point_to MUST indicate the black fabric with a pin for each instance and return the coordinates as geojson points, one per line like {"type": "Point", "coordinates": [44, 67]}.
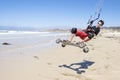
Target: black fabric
{"type": "Point", "coordinates": [93, 29]}
{"type": "Point", "coordinates": [90, 35]}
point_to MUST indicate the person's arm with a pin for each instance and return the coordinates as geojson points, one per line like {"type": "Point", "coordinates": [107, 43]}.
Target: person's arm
{"type": "Point", "coordinates": [91, 22]}
{"type": "Point", "coordinates": [71, 37]}
{"type": "Point", "coordinates": [88, 28]}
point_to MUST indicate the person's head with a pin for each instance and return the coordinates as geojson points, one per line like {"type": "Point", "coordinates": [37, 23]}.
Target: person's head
{"type": "Point", "coordinates": [100, 23]}
{"type": "Point", "coordinates": [73, 30]}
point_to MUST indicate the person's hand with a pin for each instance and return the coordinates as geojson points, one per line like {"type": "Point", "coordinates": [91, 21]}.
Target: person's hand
{"type": "Point", "coordinates": [88, 29]}
{"type": "Point", "coordinates": [68, 41]}
{"type": "Point", "coordinates": [91, 22]}
{"type": "Point", "coordinates": [82, 41]}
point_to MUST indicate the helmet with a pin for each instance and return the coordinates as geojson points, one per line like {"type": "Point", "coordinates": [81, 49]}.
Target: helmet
{"type": "Point", "coordinates": [73, 30]}
{"type": "Point", "coordinates": [101, 22]}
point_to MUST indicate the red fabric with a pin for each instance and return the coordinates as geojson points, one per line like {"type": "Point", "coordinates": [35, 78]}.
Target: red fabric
{"type": "Point", "coordinates": [81, 34]}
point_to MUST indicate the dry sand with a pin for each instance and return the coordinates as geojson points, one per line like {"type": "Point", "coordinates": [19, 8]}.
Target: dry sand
{"type": "Point", "coordinates": [69, 63]}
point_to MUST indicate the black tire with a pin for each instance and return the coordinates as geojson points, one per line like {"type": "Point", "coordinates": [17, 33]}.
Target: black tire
{"type": "Point", "coordinates": [85, 49]}
{"type": "Point", "coordinates": [58, 41]}
{"type": "Point", "coordinates": [63, 45]}
{"type": "Point", "coordinates": [82, 45]}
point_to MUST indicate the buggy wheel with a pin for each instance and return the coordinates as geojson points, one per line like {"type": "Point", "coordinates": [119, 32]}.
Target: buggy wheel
{"type": "Point", "coordinates": [82, 45]}
{"type": "Point", "coordinates": [85, 49]}
{"type": "Point", "coordinates": [63, 45]}
{"type": "Point", "coordinates": [58, 41]}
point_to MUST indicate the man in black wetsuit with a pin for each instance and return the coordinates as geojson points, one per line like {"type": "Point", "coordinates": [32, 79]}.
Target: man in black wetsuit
{"type": "Point", "coordinates": [88, 33]}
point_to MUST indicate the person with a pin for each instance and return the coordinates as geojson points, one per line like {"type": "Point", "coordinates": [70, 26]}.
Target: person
{"type": "Point", "coordinates": [88, 33]}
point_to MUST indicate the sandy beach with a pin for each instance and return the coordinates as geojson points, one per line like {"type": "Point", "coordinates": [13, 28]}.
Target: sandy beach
{"type": "Point", "coordinates": [57, 63]}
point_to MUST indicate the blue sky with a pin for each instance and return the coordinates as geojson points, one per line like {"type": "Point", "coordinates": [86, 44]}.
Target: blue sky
{"type": "Point", "coordinates": [56, 13]}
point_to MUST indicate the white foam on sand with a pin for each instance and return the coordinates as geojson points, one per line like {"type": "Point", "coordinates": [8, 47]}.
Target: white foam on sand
{"type": "Point", "coordinates": [26, 40]}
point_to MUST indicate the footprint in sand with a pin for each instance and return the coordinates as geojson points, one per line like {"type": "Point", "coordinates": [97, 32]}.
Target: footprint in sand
{"type": "Point", "coordinates": [36, 57]}
{"type": "Point", "coordinates": [49, 63]}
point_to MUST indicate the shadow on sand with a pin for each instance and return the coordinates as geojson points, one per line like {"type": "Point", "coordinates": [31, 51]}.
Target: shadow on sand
{"type": "Point", "coordinates": [78, 67]}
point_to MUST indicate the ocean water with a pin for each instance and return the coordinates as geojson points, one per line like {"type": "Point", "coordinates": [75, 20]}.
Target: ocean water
{"type": "Point", "coordinates": [29, 39]}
